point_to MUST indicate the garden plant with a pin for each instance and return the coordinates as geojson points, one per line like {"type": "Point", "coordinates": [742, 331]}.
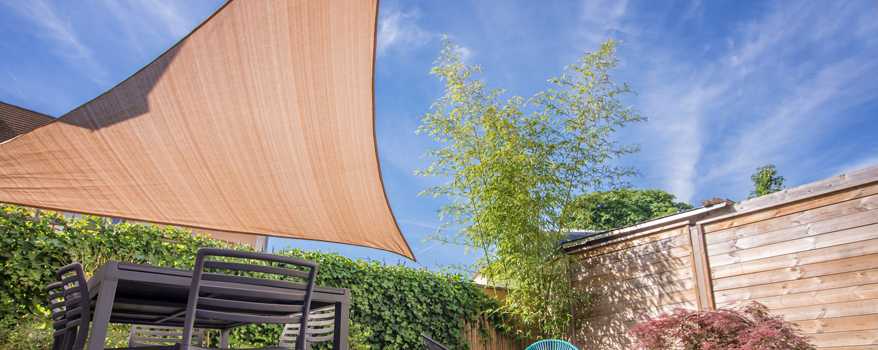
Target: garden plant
{"type": "Point", "coordinates": [390, 305]}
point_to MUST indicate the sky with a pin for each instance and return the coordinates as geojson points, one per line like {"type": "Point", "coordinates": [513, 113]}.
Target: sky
{"type": "Point", "coordinates": [728, 86]}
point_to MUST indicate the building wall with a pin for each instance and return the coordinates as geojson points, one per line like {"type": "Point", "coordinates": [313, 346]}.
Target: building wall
{"type": "Point", "coordinates": [809, 253]}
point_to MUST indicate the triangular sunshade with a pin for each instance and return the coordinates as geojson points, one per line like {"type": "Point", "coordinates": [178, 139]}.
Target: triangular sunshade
{"type": "Point", "coordinates": [261, 121]}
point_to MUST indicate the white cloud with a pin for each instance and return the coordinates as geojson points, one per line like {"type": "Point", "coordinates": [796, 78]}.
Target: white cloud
{"type": "Point", "coordinates": [401, 31]}
{"type": "Point", "coordinates": [149, 23]}
{"type": "Point", "coordinates": [769, 96]}
{"type": "Point", "coordinates": [68, 45]}
{"type": "Point", "coordinates": [796, 86]}
{"type": "Point", "coordinates": [676, 140]}
{"type": "Point", "coordinates": [603, 19]}
{"type": "Point", "coordinates": [175, 20]}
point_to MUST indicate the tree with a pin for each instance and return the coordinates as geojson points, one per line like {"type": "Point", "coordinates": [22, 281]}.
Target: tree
{"type": "Point", "coordinates": [766, 181]}
{"type": "Point", "coordinates": [618, 208]}
{"type": "Point", "coordinates": [748, 327]}
{"type": "Point", "coordinates": [513, 166]}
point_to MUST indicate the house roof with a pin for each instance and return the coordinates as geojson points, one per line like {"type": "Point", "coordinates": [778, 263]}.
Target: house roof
{"type": "Point", "coordinates": [580, 243]}
{"type": "Point", "coordinates": [15, 121]}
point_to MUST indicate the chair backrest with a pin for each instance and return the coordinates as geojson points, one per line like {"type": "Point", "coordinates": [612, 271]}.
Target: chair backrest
{"type": "Point", "coordinates": [430, 344]}
{"type": "Point", "coordinates": [249, 299]}
{"type": "Point", "coordinates": [551, 344]}
{"type": "Point", "coordinates": [143, 335]}
{"type": "Point", "coordinates": [58, 313]}
{"type": "Point", "coordinates": [321, 324]}
{"type": "Point", "coordinates": [77, 304]}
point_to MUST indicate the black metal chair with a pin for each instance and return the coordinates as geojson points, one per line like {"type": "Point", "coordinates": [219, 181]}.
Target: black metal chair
{"type": "Point", "coordinates": [57, 314]}
{"type": "Point", "coordinates": [430, 344]}
{"type": "Point", "coordinates": [211, 297]}
{"type": "Point", "coordinates": [77, 306]}
{"type": "Point", "coordinates": [142, 336]}
{"type": "Point", "coordinates": [321, 324]}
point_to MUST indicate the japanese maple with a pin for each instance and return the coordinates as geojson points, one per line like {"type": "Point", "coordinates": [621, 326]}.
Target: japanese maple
{"type": "Point", "coordinates": [747, 327]}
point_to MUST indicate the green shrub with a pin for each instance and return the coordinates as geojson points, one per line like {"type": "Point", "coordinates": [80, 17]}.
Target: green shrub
{"type": "Point", "coordinates": [29, 333]}
{"type": "Point", "coordinates": [390, 305]}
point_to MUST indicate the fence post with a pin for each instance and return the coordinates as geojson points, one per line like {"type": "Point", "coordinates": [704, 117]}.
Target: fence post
{"type": "Point", "coordinates": [700, 266]}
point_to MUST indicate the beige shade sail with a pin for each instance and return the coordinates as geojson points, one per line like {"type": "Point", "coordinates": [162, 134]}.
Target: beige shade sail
{"type": "Point", "coordinates": [261, 121]}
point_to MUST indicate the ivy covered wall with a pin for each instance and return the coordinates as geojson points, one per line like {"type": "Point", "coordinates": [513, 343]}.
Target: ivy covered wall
{"type": "Point", "coordinates": [390, 306]}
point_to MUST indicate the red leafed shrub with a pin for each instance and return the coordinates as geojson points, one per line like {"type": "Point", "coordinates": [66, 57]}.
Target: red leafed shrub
{"type": "Point", "coordinates": [749, 327]}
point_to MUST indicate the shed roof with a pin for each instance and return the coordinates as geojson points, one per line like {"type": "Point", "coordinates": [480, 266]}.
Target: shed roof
{"type": "Point", "coordinates": [15, 121]}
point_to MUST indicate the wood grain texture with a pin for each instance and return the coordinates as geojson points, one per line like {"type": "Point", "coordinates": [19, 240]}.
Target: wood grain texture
{"type": "Point", "coordinates": [664, 238]}
{"type": "Point", "coordinates": [624, 260]}
{"type": "Point", "coordinates": [849, 279]}
{"type": "Point", "coordinates": [671, 293]}
{"type": "Point", "coordinates": [777, 229]}
{"type": "Point", "coordinates": [855, 338]}
{"type": "Point", "coordinates": [652, 275]}
{"type": "Point", "coordinates": [807, 192]}
{"type": "Point", "coordinates": [866, 247]}
{"type": "Point", "coordinates": [819, 237]}
{"type": "Point", "coordinates": [841, 324]}
{"type": "Point", "coordinates": [494, 340]}
{"type": "Point", "coordinates": [829, 199]}
{"type": "Point", "coordinates": [798, 272]}
{"type": "Point", "coordinates": [616, 305]}
{"type": "Point", "coordinates": [821, 297]}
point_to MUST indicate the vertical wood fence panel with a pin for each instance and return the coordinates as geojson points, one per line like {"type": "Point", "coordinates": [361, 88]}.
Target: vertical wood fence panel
{"type": "Point", "coordinates": [495, 341]}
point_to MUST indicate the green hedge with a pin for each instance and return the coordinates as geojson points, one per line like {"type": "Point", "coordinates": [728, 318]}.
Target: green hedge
{"type": "Point", "coordinates": [390, 306]}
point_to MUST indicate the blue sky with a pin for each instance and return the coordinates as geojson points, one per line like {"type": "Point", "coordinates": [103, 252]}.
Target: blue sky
{"type": "Point", "coordinates": [728, 85]}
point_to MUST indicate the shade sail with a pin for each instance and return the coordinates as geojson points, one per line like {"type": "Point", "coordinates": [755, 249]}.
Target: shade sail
{"type": "Point", "coordinates": [261, 121]}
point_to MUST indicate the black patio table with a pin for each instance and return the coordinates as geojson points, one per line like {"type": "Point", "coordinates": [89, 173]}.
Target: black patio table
{"type": "Point", "coordinates": [151, 295]}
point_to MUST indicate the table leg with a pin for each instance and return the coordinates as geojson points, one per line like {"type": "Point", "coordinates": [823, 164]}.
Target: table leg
{"type": "Point", "coordinates": [342, 318]}
{"type": "Point", "coordinates": [224, 340]}
{"type": "Point", "coordinates": [98, 337]}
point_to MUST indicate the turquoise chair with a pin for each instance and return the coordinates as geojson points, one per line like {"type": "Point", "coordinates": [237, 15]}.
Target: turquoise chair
{"type": "Point", "coordinates": [551, 344]}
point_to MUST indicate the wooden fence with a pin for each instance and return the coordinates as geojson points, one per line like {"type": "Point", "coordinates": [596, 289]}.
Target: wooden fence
{"type": "Point", "coordinates": [809, 253]}
{"type": "Point", "coordinates": [495, 340]}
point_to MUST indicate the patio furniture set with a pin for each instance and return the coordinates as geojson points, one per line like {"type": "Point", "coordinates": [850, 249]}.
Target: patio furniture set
{"type": "Point", "coordinates": [169, 308]}
{"type": "Point", "coordinates": [174, 306]}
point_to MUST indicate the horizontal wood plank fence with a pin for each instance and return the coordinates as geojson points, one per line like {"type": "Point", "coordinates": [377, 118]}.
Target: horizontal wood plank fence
{"type": "Point", "coordinates": [809, 253]}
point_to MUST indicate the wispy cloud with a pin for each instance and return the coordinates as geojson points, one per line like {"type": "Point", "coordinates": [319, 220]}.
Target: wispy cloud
{"type": "Point", "coordinates": [175, 20]}
{"type": "Point", "coordinates": [787, 69]}
{"type": "Point", "coordinates": [419, 224]}
{"type": "Point", "coordinates": [15, 81]}
{"type": "Point", "coordinates": [767, 96]}
{"type": "Point", "coordinates": [676, 113]}
{"type": "Point", "coordinates": [150, 20]}
{"type": "Point", "coordinates": [428, 248]}
{"type": "Point", "coordinates": [67, 44]}
{"type": "Point", "coordinates": [398, 30]}
{"type": "Point", "coordinates": [603, 19]}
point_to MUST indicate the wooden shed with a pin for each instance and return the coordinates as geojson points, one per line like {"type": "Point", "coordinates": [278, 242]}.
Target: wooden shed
{"type": "Point", "coordinates": [809, 253]}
